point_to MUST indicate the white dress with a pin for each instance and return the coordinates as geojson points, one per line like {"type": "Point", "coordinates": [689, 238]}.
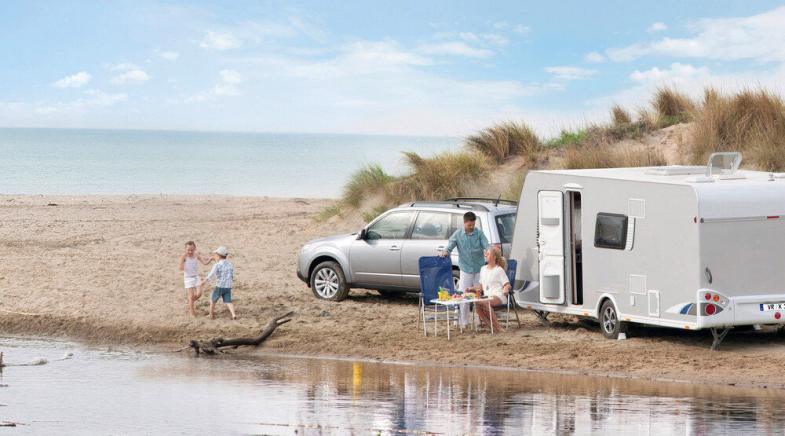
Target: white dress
{"type": "Point", "coordinates": [191, 273]}
{"type": "Point", "coordinates": [493, 281]}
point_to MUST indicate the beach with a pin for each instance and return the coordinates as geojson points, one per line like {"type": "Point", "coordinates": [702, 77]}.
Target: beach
{"type": "Point", "coordinates": [103, 269]}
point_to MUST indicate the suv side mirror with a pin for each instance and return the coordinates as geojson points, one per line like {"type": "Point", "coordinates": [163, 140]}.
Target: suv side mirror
{"type": "Point", "coordinates": [362, 235]}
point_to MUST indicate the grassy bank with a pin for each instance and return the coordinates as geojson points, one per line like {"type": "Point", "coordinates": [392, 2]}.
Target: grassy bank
{"type": "Point", "coordinates": [494, 161]}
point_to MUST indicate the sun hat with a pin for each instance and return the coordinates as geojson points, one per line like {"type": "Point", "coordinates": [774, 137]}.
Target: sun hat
{"type": "Point", "coordinates": [221, 251]}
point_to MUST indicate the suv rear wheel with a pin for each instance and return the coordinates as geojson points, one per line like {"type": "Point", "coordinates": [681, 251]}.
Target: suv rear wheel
{"type": "Point", "coordinates": [328, 282]}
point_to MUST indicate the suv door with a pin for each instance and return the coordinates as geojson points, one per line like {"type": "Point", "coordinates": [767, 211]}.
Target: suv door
{"type": "Point", "coordinates": [376, 260]}
{"type": "Point", "coordinates": [429, 235]}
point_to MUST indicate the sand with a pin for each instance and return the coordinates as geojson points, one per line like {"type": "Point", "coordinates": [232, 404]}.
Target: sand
{"type": "Point", "coordinates": [104, 269]}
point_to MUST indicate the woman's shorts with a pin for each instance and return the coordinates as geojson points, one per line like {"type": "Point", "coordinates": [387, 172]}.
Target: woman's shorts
{"type": "Point", "coordinates": [225, 293]}
{"type": "Point", "coordinates": [191, 282]}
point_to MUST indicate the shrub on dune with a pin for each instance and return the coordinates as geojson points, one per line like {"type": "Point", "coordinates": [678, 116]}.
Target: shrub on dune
{"type": "Point", "coordinates": [672, 107]}
{"type": "Point", "coordinates": [444, 175]}
{"type": "Point", "coordinates": [503, 140]}
{"type": "Point", "coordinates": [367, 180]}
{"type": "Point", "coordinates": [619, 116]}
{"type": "Point", "coordinates": [749, 121]}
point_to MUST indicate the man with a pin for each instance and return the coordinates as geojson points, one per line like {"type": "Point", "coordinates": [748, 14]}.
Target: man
{"type": "Point", "coordinates": [223, 274]}
{"type": "Point", "coordinates": [471, 243]}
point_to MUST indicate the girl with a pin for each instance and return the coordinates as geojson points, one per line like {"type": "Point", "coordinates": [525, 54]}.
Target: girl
{"type": "Point", "coordinates": [189, 265]}
{"type": "Point", "coordinates": [495, 284]}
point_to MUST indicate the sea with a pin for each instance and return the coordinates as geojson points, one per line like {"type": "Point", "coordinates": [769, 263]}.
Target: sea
{"type": "Point", "coordinates": [117, 162]}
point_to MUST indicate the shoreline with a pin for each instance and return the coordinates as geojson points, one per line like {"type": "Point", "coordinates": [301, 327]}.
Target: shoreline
{"type": "Point", "coordinates": [102, 269]}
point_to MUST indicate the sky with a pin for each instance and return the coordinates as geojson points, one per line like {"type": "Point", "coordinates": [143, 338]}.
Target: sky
{"type": "Point", "coordinates": [375, 67]}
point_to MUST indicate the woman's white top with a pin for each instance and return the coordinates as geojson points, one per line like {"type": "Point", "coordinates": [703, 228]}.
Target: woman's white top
{"type": "Point", "coordinates": [191, 267]}
{"type": "Point", "coordinates": [493, 281]}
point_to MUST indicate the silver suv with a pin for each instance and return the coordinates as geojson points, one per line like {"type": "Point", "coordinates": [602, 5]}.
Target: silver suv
{"type": "Point", "coordinates": [384, 255]}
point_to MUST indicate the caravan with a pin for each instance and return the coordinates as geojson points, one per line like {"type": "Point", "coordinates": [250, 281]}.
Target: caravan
{"type": "Point", "coordinates": [687, 247]}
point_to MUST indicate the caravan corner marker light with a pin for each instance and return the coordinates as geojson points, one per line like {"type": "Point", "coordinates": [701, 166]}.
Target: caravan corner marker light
{"type": "Point", "coordinates": [777, 315]}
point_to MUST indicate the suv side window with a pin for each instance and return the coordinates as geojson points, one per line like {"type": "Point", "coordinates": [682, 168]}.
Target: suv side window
{"type": "Point", "coordinates": [457, 223]}
{"type": "Point", "coordinates": [432, 225]}
{"type": "Point", "coordinates": [506, 226]}
{"type": "Point", "coordinates": [393, 226]}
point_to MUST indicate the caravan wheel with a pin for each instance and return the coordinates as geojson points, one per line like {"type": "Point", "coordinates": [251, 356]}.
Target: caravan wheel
{"type": "Point", "coordinates": [610, 324]}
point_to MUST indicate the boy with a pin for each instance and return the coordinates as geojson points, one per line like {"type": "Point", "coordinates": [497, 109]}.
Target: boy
{"type": "Point", "coordinates": [223, 273]}
{"type": "Point", "coordinates": [471, 243]}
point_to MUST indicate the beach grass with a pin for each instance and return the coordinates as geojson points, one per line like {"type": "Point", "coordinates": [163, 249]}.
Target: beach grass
{"type": "Point", "coordinates": [503, 140]}
{"type": "Point", "coordinates": [366, 180]}
{"type": "Point", "coordinates": [672, 107]}
{"type": "Point", "coordinates": [749, 121]}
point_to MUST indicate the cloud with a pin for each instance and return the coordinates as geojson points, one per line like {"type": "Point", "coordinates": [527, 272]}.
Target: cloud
{"type": "Point", "coordinates": [570, 73]}
{"type": "Point", "coordinates": [226, 86]}
{"type": "Point", "coordinates": [455, 48]}
{"type": "Point", "coordinates": [758, 37]}
{"type": "Point", "coordinates": [77, 80]}
{"type": "Point", "coordinates": [129, 74]}
{"type": "Point", "coordinates": [495, 39]}
{"type": "Point", "coordinates": [676, 73]}
{"type": "Point", "coordinates": [219, 41]}
{"type": "Point", "coordinates": [594, 57]}
{"type": "Point", "coordinates": [167, 54]}
{"type": "Point", "coordinates": [520, 29]}
{"type": "Point", "coordinates": [93, 99]}
{"type": "Point", "coordinates": [657, 27]}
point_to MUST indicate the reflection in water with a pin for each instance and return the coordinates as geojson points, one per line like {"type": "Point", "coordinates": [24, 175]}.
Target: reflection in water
{"type": "Point", "coordinates": [249, 393]}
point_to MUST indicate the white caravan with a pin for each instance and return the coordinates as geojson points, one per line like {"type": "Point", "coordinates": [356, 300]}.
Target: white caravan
{"type": "Point", "coordinates": [688, 247]}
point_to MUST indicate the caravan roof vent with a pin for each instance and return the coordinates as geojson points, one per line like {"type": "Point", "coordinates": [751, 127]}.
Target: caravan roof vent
{"type": "Point", "coordinates": [723, 164]}
{"type": "Point", "coordinates": [676, 170]}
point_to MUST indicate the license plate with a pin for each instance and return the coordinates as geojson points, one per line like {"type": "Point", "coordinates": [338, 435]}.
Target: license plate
{"type": "Point", "coordinates": [765, 307]}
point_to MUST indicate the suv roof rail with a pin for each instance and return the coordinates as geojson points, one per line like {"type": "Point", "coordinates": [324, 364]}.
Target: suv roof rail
{"type": "Point", "coordinates": [495, 201]}
{"type": "Point", "coordinates": [447, 204]}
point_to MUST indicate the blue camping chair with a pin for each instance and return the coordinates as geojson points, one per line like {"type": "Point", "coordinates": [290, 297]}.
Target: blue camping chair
{"type": "Point", "coordinates": [435, 272]}
{"type": "Point", "coordinates": [512, 271]}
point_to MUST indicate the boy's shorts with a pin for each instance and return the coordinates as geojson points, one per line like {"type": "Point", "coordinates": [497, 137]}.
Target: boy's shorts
{"type": "Point", "coordinates": [225, 293]}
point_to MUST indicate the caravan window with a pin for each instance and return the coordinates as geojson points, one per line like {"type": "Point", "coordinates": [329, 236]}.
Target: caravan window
{"type": "Point", "coordinates": [610, 231]}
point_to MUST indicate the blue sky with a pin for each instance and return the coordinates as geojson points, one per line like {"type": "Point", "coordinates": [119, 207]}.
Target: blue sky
{"type": "Point", "coordinates": [407, 67]}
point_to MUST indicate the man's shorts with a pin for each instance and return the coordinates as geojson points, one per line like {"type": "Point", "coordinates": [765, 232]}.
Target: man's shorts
{"type": "Point", "coordinates": [225, 293]}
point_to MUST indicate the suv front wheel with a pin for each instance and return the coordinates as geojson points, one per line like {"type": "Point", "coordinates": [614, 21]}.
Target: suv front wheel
{"type": "Point", "coordinates": [328, 282]}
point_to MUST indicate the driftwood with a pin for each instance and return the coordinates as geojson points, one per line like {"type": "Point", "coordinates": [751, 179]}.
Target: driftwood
{"type": "Point", "coordinates": [214, 345]}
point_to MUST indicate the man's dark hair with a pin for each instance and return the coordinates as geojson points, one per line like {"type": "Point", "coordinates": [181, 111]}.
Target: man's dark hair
{"type": "Point", "coordinates": [469, 216]}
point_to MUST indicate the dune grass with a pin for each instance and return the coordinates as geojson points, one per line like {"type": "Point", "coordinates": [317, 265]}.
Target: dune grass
{"type": "Point", "coordinates": [329, 212]}
{"type": "Point", "coordinates": [503, 140]}
{"type": "Point", "coordinates": [369, 179]}
{"type": "Point", "coordinates": [750, 121]}
{"type": "Point", "coordinates": [619, 116]}
{"type": "Point", "coordinates": [672, 107]}
{"type": "Point", "coordinates": [441, 176]}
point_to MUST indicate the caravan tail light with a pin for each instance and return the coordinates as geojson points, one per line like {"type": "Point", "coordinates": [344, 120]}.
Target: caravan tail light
{"type": "Point", "coordinates": [708, 296]}
{"type": "Point", "coordinates": [711, 309]}
{"type": "Point", "coordinates": [777, 315]}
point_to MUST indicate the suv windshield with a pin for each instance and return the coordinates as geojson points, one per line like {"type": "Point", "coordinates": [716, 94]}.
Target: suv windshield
{"type": "Point", "coordinates": [506, 225]}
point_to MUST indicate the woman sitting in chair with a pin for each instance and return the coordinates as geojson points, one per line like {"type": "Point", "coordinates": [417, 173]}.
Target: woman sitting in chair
{"type": "Point", "coordinates": [495, 284]}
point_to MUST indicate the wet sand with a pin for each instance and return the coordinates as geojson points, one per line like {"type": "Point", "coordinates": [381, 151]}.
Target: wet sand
{"type": "Point", "coordinates": [104, 269]}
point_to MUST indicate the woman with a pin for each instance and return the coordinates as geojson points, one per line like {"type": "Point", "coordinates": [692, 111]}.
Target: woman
{"type": "Point", "coordinates": [495, 284]}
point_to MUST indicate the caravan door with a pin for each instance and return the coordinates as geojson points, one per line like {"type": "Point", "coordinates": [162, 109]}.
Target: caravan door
{"type": "Point", "coordinates": [550, 220]}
